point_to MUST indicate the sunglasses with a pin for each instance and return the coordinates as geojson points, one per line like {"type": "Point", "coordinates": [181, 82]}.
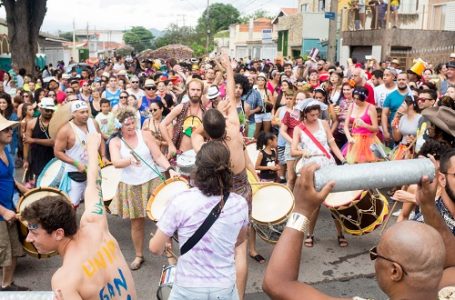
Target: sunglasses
{"type": "Point", "coordinates": [49, 110]}
{"type": "Point", "coordinates": [148, 88]}
{"type": "Point", "coordinates": [134, 81]}
{"type": "Point", "coordinates": [123, 97]}
{"type": "Point", "coordinates": [7, 129]}
{"type": "Point", "coordinates": [26, 96]}
{"type": "Point", "coordinates": [423, 99]}
{"type": "Point", "coordinates": [374, 255]}
{"type": "Point", "coordinates": [51, 95]}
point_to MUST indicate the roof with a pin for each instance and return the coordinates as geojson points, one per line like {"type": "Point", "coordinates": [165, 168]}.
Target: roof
{"type": "Point", "coordinates": [284, 12]}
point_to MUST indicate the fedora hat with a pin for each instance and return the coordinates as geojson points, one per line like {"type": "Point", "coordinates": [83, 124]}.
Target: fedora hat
{"type": "Point", "coordinates": [442, 117]}
{"type": "Point", "coordinates": [4, 123]}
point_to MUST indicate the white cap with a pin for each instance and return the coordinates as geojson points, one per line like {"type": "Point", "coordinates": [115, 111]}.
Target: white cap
{"type": "Point", "coordinates": [47, 103]}
{"type": "Point", "coordinates": [78, 105]}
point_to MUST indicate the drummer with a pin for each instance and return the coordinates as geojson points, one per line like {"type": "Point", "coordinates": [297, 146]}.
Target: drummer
{"type": "Point", "coordinates": [190, 112]}
{"type": "Point", "coordinates": [225, 127]}
{"type": "Point", "coordinates": [312, 140]}
{"type": "Point", "coordinates": [37, 136]}
{"type": "Point", "coordinates": [10, 246]}
{"type": "Point", "coordinates": [70, 147]}
{"type": "Point", "coordinates": [53, 226]}
{"type": "Point", "coordinates": [137, 154]}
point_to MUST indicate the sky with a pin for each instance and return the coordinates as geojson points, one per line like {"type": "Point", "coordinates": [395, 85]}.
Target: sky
{"type": "Point", "coordinates": [123, 14]}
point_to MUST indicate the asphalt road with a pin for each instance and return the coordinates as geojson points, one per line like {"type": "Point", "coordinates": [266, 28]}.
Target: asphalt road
{"type": "Point", "coordinates": [334, 270]}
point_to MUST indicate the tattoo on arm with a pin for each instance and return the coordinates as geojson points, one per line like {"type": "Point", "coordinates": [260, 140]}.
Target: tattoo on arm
{"type": "Point", "coordinates": [99, 206]}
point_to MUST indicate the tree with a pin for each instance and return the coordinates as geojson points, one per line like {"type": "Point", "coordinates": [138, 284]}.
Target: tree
{"type": "Point", "coordinates": [24, 19]}
{"type": "Point", "coordinates": [184, 35]}
{"type": "Point", "coordinates": [67, 35]}
{"type": "Point", "coordinates": [260, 13]}
{"type": "Point", "coordinates": [216, 17]}
{"type": "Point", "coordinates": [139, 38]}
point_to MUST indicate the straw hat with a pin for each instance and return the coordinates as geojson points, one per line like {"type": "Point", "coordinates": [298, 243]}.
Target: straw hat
{"type": "Point", "coordinates": [60, 117]}
{"type": "Point", "coordinates": [4, 123]}
{"type": "Point", "coordinates": [442, 117]}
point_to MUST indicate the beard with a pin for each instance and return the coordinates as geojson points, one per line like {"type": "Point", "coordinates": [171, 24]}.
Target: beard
{"type": "Point", "coordinates": [195, 99]}
{"type": "Point", "coordinates": [450, 193]}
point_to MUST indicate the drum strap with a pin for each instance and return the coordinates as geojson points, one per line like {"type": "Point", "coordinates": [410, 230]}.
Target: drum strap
{"type": "Point", "coordinates": [315, 141]}
{"type": "Point", "coordinates": [205, 226]}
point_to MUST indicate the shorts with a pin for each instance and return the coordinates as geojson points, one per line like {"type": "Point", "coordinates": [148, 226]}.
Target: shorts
{"type": "Point", "coordinates": [264, 117]}
{"type": "Point", "coordinates": [204, 293]}
{"type": "Point", "coordinates": [287, 153]}
{"type": "Point", "coordinates": [251, 129]}
{"type": "Point", "coordinates": [77, 192]}
{"type": "Point", "coordinates": [10, 246]}
{"type": "Point", "coordinates": [281, 156]}
{"type": "Point", "coordinates": [394, 8]}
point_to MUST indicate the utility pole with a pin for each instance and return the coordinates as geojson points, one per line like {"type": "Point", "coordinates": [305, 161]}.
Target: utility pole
{"type": "Point", "coordinates": [207, 27]}
{"type": "Point", "coordinates": [74, 40]}
{"type": "Point", "coordinates": [332, 42]}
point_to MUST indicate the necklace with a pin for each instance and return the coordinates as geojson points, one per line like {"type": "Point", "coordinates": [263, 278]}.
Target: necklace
{"type": "Point", "coordinates": [43, 127]}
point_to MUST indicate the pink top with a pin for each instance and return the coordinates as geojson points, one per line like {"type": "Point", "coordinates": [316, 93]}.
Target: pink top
{"type": "Point", "coordinates": [365, 118]}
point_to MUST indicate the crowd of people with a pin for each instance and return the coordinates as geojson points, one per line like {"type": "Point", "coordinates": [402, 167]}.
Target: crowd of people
{"type": "Point", "coordinates": [141, 116]}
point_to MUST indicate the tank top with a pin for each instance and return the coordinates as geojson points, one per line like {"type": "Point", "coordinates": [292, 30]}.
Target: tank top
{"type": "Point", "coordinates": [137, 175]}
{"type": "Point", "coordinates": [40, 155]}
{"type": "Point", "coordinates": [268, 160]}
{"type": "Point", "coordinates": [308, 145]}
{"type": "Point", "coordinates": [113, 97]}
{"type": "Point", "coordinates": [79, 150]}
{"type": "Point", "coordinates": [365, 117]}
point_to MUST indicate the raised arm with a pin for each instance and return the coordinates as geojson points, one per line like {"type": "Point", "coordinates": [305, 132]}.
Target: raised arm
{"type": "Point", "coordinates": [94, 205]}
{"type": "Point", "coordinates": [232, 115]}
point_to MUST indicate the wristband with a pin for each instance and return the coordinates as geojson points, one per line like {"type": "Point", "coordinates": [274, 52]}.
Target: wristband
{"type": "Point", "coordinates": [76, 164]}
{"type": "Point", "coordinates": [298, 222]}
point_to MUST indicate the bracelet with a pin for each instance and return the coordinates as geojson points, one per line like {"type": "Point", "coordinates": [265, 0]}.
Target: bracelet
{"type": "Point", "coordinates": [170, 168]}
{"type": "Point", "coordinates": [76, 164]}
{"type": "Point", "coordinates": [298, 222]}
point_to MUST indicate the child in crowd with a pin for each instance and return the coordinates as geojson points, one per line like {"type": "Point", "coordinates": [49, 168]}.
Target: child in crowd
{"type": "Point", "coordinates": [266, 162]}
{"type": "Point", "coordinates": [106, 119]}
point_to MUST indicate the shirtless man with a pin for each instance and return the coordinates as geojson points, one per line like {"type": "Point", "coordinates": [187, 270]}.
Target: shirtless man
{"type": "Point", "coordinates": [93, 265]}
{"type": "Point", "coordinates": [70, 147]}
{"type": "Point", "coordinates": [227, 129]}
{"type": "Point", "coordinates": [181, 139]}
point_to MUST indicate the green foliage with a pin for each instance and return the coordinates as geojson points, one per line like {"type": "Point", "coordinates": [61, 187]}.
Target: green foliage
{"type": "Point", "coordinates": [66, 35]}
{"type": "Point", "coordinates": [220, 16]}
{"type": "Point", "coordinates": [139, 38]}
{"type": "Point", "coordinates": [260, 13]}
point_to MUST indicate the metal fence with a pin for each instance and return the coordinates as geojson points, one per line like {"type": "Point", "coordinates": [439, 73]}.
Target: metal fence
{"type": "Point", "coordinates": [430, 55]}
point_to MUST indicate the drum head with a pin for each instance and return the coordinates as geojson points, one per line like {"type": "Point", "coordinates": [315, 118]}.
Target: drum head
{"type": "Point", "coordinates": [272, 203]}
{"type": "Point", "coordinates": [186, 161]}
{"type": "Point", "coordinates": [162, 194]}
{"type": "Point", "coordinates": [27, 199]}
{"type": "Point", "coordinates": [252, 152]}
{"type": "Point", "coordinates": [110, 178]}
{"type": "Point", "coordinates": [335, 200]}
{"type": "Point", "coordinates": [51, 174]}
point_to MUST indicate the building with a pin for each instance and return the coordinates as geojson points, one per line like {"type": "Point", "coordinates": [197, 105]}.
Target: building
{"type": "Point", "coordinates": [252, 40]}
{"type": "Point", "coordinates": [287, 32]}
{"type": "Point", "coordinates": [425, 29]}
{"type": "Point", "coordinates": [100, 35]}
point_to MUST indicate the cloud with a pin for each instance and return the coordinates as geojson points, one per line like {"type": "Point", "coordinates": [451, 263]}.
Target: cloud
{"type": "Point", "coordinates": [120, 14]}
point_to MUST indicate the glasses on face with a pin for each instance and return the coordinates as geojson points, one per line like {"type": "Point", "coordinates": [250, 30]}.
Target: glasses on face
{"type": "Point", "coordinates": [422, 99]}
{"type": "Point", "coordinates": [7, 129]}
{"type": "Point", "coordinates": [123, 97]}
{"type": "Point", "coordinates": [134, 81]}
{"type": "Point", "coordinates": [148, 88]}
{"type": "Point", "coordinates": [51, 95]}
{"type": "Point", "coordinates": [48, 110]}
{"type": "Point", "coordinates": [374, 255]}
{"type": "Point", "coordinates": [447, 173]}
{"type": "Point", "coordinates": [26, 96]}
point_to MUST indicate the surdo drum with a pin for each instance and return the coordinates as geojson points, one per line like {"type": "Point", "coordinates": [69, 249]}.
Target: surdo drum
{"type": "Point", "coordinates": [272, 205]}
{"type": "Point", "coordinates": [359, 212]}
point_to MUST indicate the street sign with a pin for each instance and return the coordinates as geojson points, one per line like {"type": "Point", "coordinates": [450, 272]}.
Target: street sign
{"type": "Point", "coordinates": [329, 15]}
{"type": "Point", "coordinates": [266, 36]}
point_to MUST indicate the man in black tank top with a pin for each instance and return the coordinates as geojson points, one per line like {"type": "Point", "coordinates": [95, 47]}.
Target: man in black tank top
{"type": "Point", "coordinates": [37, 140]}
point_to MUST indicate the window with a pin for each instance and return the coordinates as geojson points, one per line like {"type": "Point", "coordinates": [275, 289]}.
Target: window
{"type": "Point", "coordinates": [304, 7]}
{"type": "Point", "coordinates": [439, 17]}
{"type": "Point", "coordinates": [280, 40]}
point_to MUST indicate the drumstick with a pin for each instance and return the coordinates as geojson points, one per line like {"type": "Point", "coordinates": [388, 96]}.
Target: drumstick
{"type": "Point", "coordinates": [25, 174]}
{"type": "Point", "coordinates": [388, 217]}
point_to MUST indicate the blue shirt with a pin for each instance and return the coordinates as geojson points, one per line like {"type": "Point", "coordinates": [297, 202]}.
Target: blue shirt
{"type": "Point", "coordinates": [253, 98]}
{"type": "Point", "coordinates": [7, 183]}
{"type": "Point", "coordinates": [393, 101]}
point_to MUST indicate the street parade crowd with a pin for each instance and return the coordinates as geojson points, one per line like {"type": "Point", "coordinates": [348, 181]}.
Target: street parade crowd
{"type": "Point", "coordinates": [217, 152]}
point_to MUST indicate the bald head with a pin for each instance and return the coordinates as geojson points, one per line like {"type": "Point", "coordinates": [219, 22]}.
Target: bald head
{"type": "Point", "coordinates": [420, 251]}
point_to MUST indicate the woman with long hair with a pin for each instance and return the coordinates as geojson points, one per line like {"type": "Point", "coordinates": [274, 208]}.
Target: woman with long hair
{"type": "Point", "coordinates": [123, 101]}
{"type": "Point", "coordinates": [341, 108]}
{"type": "Point", "coordinates": [152, 124]}
{"type": "Point", "coordinates": [360, 128]}
{"type": "Point", "coordinates": [312, 140]}
{"type": "Point", "coordinates": [7, 111]}
{"type": "Point", "coordinates": [336, 79]}
{"type": "Point", "coordinates": [95, 106]}
{"type": "Point", "coordinates": [184, 215]}
{"type": "Point", "coordinates": [135, 153]}
{"type": "Point", "coordinates": [263, 119]}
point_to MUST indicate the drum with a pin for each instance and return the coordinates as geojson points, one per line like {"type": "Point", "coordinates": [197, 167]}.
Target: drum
{"type": "Point", "coordinates": [272, 205]}
{"type": "Point", "coordinates": [51, 174]}
{"type": "Point", "coordinates": [359, 212]}
{"type": "Point", "coordinates": [253, 181]}
{"type": "Point", "coordinates": [162, 194]}
{"type": "Point", "coordinates": [110, 178]}
{"type": "Point", "coordinates": [28, 198]}
{"type": "Point", "coordinates": [186, 163]}
{"type": "Point", "coordinates": [189, 124]}
{"type": "Point", "coordinates": [166, 282]}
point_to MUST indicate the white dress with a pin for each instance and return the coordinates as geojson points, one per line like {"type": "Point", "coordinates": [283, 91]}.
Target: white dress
{"type": "Point", "coordinates": [309, 146]}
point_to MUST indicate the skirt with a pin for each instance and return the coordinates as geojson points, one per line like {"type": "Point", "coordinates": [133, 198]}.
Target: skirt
{"type": "Point", "coordinates": [131, 200]}
{"type": "Point", "coordinates": [360, 150]}
{"type": "Point", "coordinates": [401, 152]}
